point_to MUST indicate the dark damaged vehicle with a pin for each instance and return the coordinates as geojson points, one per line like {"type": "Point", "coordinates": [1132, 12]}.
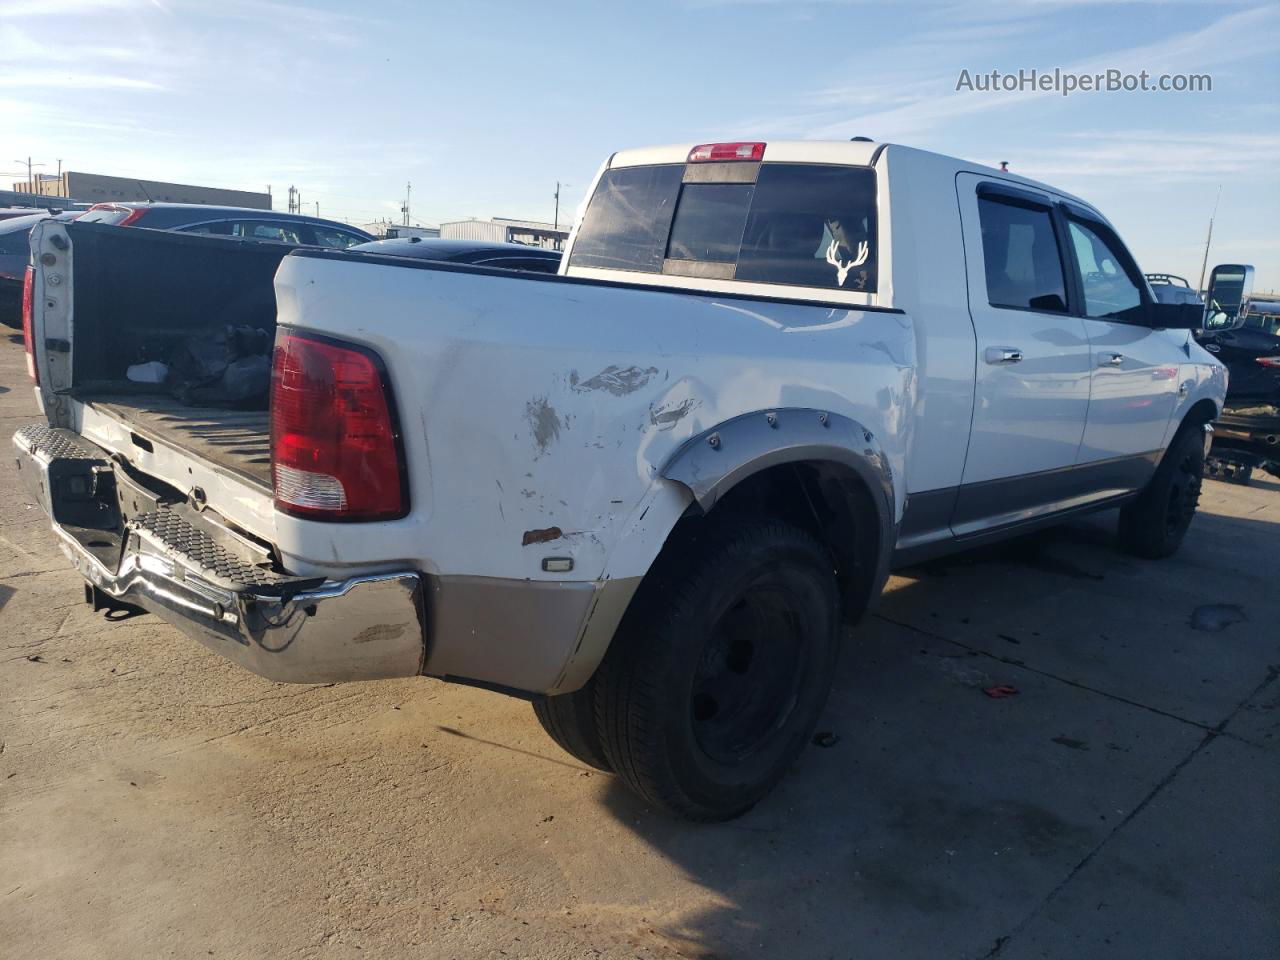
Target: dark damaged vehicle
{"type": "Point", "coordinates": [1243, 332]}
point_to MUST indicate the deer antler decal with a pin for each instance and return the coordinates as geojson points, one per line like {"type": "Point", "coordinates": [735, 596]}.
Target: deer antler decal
{"type": "Point", "coordinates": [842, 269]}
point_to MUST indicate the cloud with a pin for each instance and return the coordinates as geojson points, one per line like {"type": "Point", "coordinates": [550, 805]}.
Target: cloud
{"type": "Point", "coordinates": [34, 64]}
{"type": "Point", "coordinates": [918, 106]}
{"type": "Point", "coordinates": [1157, 158]}
{"type": "Point", "coordinates": [74, 80]}
{"type": "Point", "coordinates": [18, 46]}
{"type": "Point", "coordinates": [26, 9]}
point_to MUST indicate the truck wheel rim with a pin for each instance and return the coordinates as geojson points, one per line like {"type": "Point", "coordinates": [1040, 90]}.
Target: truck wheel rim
{"type": "Point", "coordinates": [749, 674]}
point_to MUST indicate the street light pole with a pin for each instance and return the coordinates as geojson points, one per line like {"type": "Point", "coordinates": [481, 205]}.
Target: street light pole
{"type": "Point", "coordinates": [31, 186]}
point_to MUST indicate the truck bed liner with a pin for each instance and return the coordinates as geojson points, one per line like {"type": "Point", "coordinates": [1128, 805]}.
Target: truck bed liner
{"type": "Point", "coordinates": [239, 440]}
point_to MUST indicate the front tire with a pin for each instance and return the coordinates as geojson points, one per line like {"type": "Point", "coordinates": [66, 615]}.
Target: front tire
{"type": "Point", "coordinates": [719, 672]}
{"type": "Point", "coordinates": [1154, 525]}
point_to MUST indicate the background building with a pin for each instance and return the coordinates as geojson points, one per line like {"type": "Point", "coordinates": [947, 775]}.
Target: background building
{"type": "Point", "coordinates": [505, 230]}
{"type": "Point", "coordinates": [385, 230]}
{"type": "Point", "coordinates": [99, 188]}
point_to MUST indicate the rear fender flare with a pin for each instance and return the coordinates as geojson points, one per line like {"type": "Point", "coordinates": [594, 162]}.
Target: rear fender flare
{"type": "Point", "coordinates": [713, 462]}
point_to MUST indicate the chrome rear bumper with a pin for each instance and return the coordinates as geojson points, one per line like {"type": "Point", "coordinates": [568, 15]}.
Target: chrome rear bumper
{"type": "Point", "coordinates": [180, 566]}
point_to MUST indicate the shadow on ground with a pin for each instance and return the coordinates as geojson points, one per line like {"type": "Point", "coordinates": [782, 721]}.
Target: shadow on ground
{"type": "Point", "coordinates": [944, 823]}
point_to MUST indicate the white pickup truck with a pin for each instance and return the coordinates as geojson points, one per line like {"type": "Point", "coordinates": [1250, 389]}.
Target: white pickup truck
{"type": "Point", "coordinates": [644, 493]}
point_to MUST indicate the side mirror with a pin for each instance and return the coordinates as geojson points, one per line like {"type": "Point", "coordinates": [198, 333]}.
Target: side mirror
{"type": "Point", "coordinates": [1175, 316]}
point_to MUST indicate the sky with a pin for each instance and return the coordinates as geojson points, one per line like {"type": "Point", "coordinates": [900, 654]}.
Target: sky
{"type": "Point", "coordinates": [484, 106]}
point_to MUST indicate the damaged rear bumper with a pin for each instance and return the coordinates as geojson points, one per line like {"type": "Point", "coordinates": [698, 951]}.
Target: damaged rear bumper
{"type": "Point", "coordinates": [138, 550]}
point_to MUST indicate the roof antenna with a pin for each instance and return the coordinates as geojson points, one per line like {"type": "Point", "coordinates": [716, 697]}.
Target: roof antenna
{"type": "Point", "coordinates": [144, 191]}
{"type": "Point", "coordinates": [861, 140]}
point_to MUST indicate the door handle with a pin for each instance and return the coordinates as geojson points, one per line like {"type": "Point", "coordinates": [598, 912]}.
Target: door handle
{"type": "Point", "coordinates": [1110, 359]}
{"type": "Point", "coordinates": [1004, 355]}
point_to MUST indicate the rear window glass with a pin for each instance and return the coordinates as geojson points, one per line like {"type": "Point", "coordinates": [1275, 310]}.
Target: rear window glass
{"type": "Point", "coordinates": [628, 219]}
{"type": "Point", "coordinates": [104, 216]}
{"type": "Point", "coordinates": [813, 226]}
{"type": "Point", "coordinates": [709, 222]}
{"type": "Point", "coordinates": [809, 225]}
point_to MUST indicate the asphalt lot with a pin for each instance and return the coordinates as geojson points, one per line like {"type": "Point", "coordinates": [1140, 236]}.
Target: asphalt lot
{"type": "Point", "coordinates": [157, 802]}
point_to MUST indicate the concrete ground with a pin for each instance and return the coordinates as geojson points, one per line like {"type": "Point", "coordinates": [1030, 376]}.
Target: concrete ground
{"type": "Point", "coordinates": [157, 802]}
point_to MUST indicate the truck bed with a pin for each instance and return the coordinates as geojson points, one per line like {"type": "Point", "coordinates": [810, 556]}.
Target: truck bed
{"type": "Point", "coordinates": [238, 440]}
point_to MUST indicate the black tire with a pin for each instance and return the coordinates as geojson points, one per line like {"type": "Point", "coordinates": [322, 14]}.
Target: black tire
{"type": "Point", "coordinates": [720, 669]}
{"type": "Point", "coordinates": [1154, 524]}
{"type": "Point", "coordinates": [570, 720]}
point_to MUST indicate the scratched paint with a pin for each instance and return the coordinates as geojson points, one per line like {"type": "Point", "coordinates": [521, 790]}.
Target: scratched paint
{"type": "Point", "coordinates": [618, 381]}
{"type": "Point", "coordinates": [544, 423]}
{"type": "Point", "coordinates": [666, 416]}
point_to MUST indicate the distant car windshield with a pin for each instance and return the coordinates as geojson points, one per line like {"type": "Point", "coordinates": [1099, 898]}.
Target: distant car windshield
{"type": "Point", "coordinates": [1172, 293]}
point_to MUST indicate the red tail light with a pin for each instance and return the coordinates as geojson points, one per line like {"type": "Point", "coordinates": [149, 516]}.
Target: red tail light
{"type": "Point", "coordinates": [722, 152]}
{"type": "Point", "coordinates": [335, 444]}
{"type": "Point", "coordinates": [1272, 362]}
{"type": "Point", "coordinates": [28, 321]}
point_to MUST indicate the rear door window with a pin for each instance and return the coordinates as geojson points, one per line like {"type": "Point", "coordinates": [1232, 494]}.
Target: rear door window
{"type": "Point", "coordinates": [1021, 256]}
{"type": "Point", "coordinates": [218, 228]}
{"type": "Point", "coordinates": [332, 237]}
{"type": "Point", "coordinates": [279, 231]}
{"type": "Point", "coordinates": [811, 225]}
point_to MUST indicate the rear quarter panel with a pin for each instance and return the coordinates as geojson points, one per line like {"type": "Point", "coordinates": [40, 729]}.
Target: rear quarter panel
{"type": "Point", "coordinates": [537, 412]}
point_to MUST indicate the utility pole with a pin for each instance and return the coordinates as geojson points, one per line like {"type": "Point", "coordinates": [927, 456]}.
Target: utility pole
{"type": "Point", "coordinates": [557, 220]}
{"type": "Point", "coordinates": [317, 209]}
{"type": "Point", "coordinates": [1205, 262]}
{"type": "Point", "coordinates": [31, 184]}
{"type": "Point", "coordinates": [404, 209]}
